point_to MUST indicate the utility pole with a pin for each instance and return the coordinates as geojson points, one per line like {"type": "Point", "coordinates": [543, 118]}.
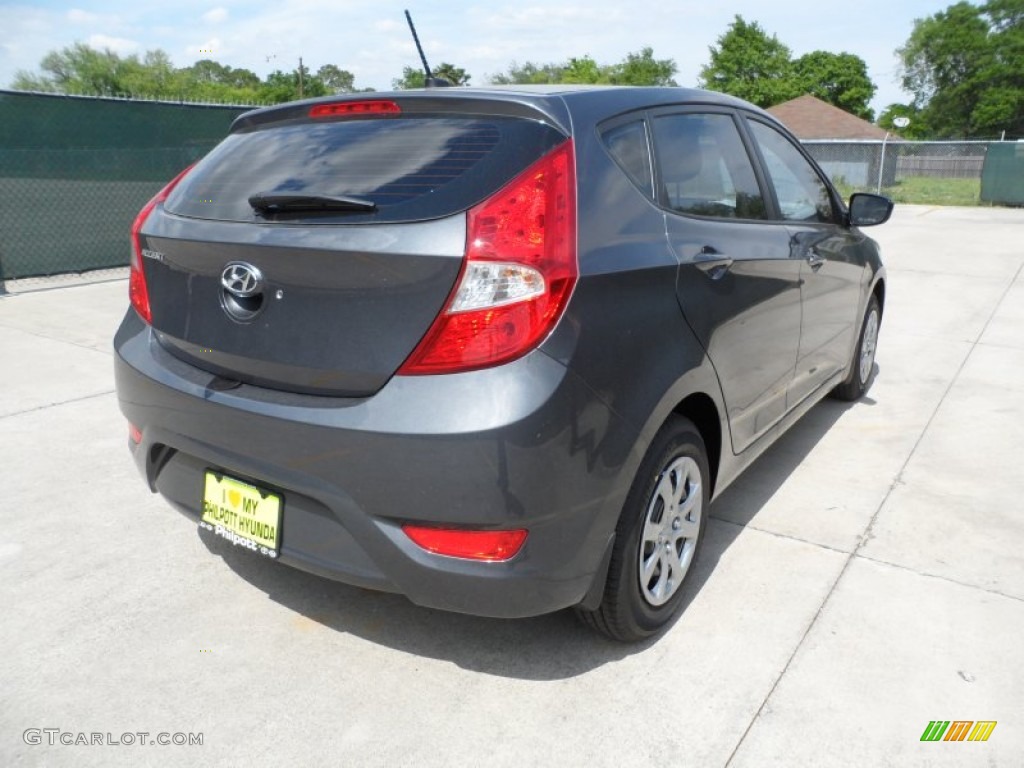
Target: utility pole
{"type": "Point", "coordinates": [300, 77]}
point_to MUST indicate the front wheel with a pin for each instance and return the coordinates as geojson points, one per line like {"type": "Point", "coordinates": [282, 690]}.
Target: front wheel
{"type": "Point", "coordinates": [862, 367]}
{"type": "Point", "coordinates": [658, 536]}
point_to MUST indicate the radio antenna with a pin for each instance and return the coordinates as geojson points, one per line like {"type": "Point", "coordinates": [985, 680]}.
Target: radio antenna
{"type": "Point", "coordinates": [429, 81]}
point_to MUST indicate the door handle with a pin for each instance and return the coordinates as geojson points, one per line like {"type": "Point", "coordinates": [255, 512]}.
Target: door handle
{"type": "Point", "coordinates": [712, 263]}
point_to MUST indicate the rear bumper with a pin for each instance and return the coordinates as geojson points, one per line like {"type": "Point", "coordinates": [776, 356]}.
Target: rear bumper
{"type": "Point", "coordinates": [524, 445]}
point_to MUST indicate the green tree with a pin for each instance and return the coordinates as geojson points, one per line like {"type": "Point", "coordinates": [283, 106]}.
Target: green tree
{"type": "Point", "coordinates": [529, 74]}
{"type": "Point", "coordinates": [643, 69]}
{"type": "Point", "coordinates": [215, 73]}
{"type": "Point", "coordinates": [281, 86]}
{"type": "Point", "coordinates": [84, 70]}
{"type": "Point", "coordinates": [451, 73]}
{"type": "Point", "coordinates": [411, 78]}
{"type": "Point", "coordinates": [308, 85]}
{"type": "Point", "coordinates": [915, 130]}
{"type": "Point", "coordinates": [840, 79]}
{"type": "Point", "coordinates": [208, 80]}
{"type": "Point", "coordinates": [640, 68]}
{"type": "Point", "coordinates": [154, 76]}
{"type": "Point", "coordinates": [749, 63]}
{"type": "Point", "coordinates": [81, 69]}
{"type": "Point", "coordinates": [29, 81]}
{"type": "Point", "coordinates": [415, 78]}
{"type": "Point", "coordinates": [965, 67]}
{"type": "Point", "coordinates": [583, 71]}
{"type": "Point", "coordinates": [336, 80]}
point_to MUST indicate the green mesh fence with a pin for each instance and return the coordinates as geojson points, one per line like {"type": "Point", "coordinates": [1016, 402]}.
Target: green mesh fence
{"type": "Point", "coordinates": [1002, 178]}
{"type": "Point", "coordinates": [75, 171]}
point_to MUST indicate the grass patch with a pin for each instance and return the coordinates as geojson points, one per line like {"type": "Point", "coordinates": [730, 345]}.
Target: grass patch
{"type": "Point", "coordinates": [924, 190]}
{"type": "Point", "coordinates": [930, 191]}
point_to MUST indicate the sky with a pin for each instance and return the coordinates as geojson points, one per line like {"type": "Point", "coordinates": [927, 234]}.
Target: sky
{"type": "Point", "coordinates": [370, 38]}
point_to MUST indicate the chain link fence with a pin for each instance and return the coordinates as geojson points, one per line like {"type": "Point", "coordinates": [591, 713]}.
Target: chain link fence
{"type": "Point", "coordinates": [925, 171]}
{"type": "Point", "coordinates": [74, 172]}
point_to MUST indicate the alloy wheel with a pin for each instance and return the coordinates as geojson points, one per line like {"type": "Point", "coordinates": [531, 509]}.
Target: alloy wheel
{"type": "Point", "coordinates": [869, 341]}
{"type": "Point", "coordinates": [670, 529]}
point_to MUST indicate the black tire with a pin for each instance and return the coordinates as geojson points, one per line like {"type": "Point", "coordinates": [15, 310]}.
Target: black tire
{"type": "Point", "coordinates": [861, 378]}
{"type": "Point", "coordinates": [625, 613]}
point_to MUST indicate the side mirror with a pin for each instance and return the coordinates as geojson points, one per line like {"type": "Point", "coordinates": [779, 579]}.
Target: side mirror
{"type": "Point", "coordinates": [867, 210]}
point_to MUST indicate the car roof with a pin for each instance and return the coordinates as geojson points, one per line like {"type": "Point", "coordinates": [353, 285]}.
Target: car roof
{"type": "Point", "coordinates": [612, 95]}
{"type": "Point", "coordinates": [565, 105]}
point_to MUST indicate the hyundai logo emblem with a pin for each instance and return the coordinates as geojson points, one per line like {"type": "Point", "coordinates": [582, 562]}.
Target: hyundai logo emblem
{"type": "Point", "coordinates": [241, 280]}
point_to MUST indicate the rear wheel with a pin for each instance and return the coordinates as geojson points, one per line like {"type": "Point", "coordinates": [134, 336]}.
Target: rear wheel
{"type": "Point", "coordinates": [862, 367]}
{"type": "Point", "coordinates": [658, 536]}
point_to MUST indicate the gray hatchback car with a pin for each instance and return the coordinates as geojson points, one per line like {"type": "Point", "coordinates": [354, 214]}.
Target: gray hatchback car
{"type": "Point", "coordinates": [494, 349]}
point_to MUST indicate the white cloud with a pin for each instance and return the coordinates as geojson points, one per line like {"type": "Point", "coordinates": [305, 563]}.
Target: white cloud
{"type": "Point", "coordinates": [78, 16]}
{"type": "Point", "coordinates": [119, 45]}
{"type": "Point", "coordinates": [216, 16]}
{"type": "Point", "coordinates": [211, 49]}
{"type": "Point", "coordinates": [548, 18]}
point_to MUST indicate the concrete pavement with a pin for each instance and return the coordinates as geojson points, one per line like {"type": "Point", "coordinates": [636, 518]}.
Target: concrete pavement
{"type": "Point", "coordinates": [863, 578]}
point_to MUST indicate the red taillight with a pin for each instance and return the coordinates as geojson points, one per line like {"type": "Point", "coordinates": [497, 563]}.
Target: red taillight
{"type": "Point", "coordinates": [519, 272]}
{"type": "Point", "coordinates": [134, 433]}
{"type": "Point", "coordinates": [492, 546]}
{"type": "Point", "coordinates": [353, 108]}
{"type": "Point", "coordinates": [138, 292]}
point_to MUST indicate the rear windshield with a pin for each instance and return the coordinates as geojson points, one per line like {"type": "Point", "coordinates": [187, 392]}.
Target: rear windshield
{"type": "Point", "coordinates": [413, 168]}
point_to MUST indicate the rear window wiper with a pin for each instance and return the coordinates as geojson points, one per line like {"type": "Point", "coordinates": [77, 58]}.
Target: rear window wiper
{"type": "Point", "coordinates": [264, 202]}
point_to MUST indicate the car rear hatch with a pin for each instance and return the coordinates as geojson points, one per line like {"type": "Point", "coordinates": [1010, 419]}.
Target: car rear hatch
{"type": "Point", "coordinates": [313, 248]}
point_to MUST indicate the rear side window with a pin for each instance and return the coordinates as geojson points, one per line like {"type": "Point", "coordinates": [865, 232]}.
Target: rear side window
{"type": "Point", "coordinates": [628, 145]}
{"type": "Point", "coordinates": [704, 168]}
{"type": "Point", "coordinates": [413, 168]}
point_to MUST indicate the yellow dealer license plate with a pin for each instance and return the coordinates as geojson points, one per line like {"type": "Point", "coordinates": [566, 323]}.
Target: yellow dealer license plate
{"type": "Point", "coordinates": [241, 513]}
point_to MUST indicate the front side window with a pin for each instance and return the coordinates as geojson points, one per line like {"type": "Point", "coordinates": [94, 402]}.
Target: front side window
{"type": "Point", "coordinates": [801, 193]}
{"type": "Point", "coordinates": [704, 168]}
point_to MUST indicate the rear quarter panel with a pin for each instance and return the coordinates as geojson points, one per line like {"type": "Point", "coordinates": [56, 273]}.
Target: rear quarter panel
{"type": "Point", "coordinates": [623, 332]}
